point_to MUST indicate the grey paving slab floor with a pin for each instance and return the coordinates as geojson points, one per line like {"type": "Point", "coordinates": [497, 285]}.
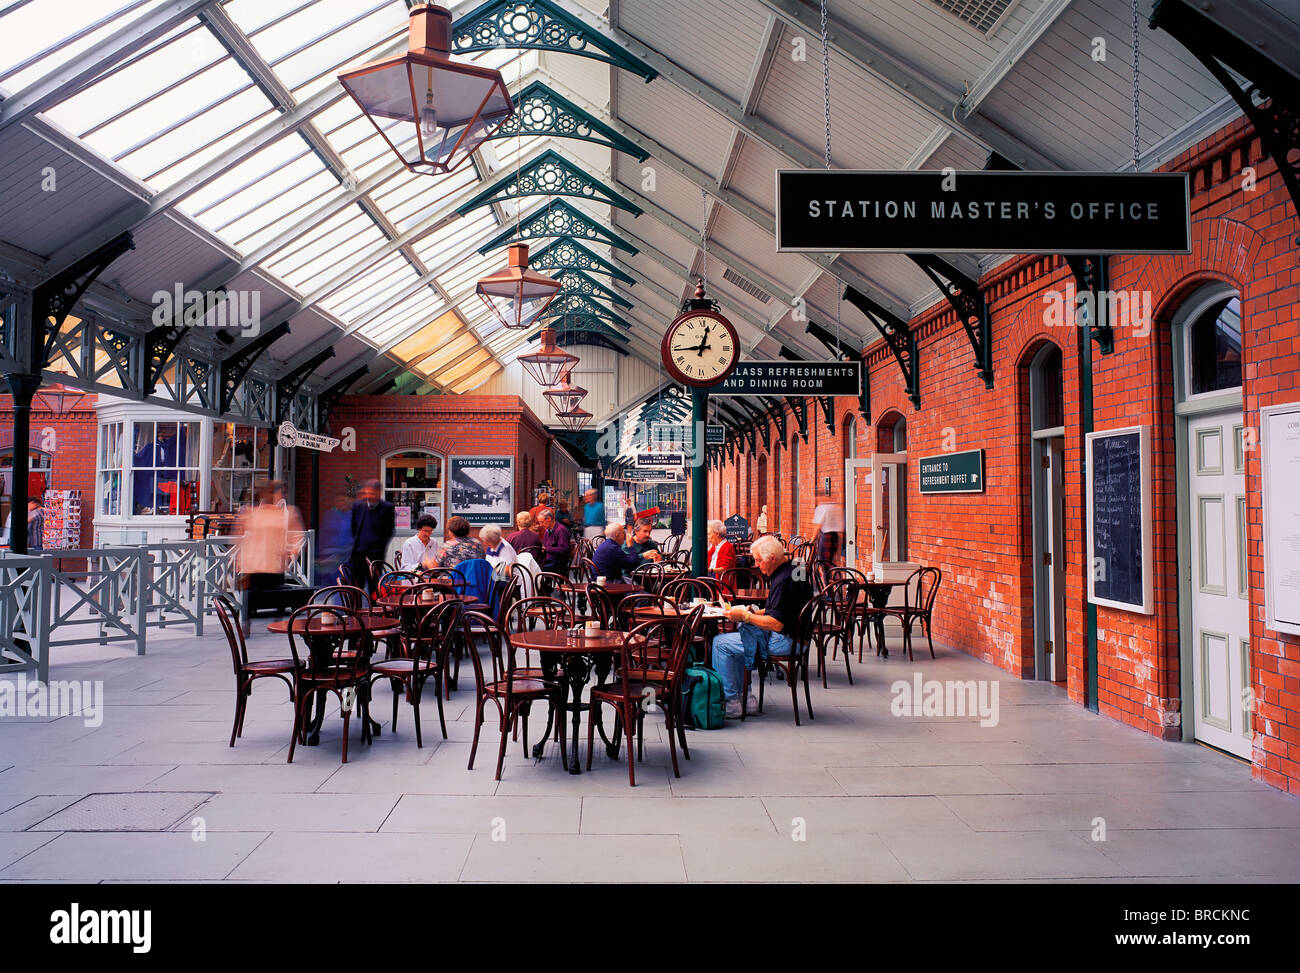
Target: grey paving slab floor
{"type": "Point", "coordinates": [1049, 792]}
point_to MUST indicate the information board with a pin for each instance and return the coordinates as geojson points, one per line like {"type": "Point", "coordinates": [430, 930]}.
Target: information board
{"type": "Point", "coordinates": [1280, 447]}
{"type": "Point", "coordinates": [737, 528]}
{"type": "Point", "coordinates": [1119, 518]}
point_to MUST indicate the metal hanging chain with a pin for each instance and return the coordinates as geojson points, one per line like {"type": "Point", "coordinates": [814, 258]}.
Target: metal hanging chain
{"type": "Point", "coordinates": [704, 238]}
{"type": "Point", "coordinates": [1136, 150]}
{"type": "Point", "coordinates": [519, 154]}
{"type": "Point", "coordinates": [826, 106]}
{"type": "Point", "coordinates": [826, 82]}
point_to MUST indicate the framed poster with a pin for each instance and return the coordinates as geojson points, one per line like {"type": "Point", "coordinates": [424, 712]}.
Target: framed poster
{"type": "Point", "coordinates": [482, 489]}
{"type": "Point", "coordinates": [1280, 454]}
{"type": "Point", "coordinates": [1119, 518]}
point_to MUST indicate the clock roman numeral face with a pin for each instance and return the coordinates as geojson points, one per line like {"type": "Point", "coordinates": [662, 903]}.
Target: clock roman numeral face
{"type": "Point", "coordinates": [702, 348]}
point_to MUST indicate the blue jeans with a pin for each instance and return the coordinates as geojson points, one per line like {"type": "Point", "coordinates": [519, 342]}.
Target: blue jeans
{"type": "Point", "coordinates": [734, 652]}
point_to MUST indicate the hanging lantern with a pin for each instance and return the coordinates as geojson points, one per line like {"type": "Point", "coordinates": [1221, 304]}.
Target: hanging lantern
{"type": "Point", "coordinates": [574, 419]}
{"type": "Point", "coordinates": [445, 108]}
{"type": "Point", "coordinates": [517, 296]}
{"type": "Point", "coordinates": [548, 363]}
{"type": "Point", "coordinates": [565, 397]}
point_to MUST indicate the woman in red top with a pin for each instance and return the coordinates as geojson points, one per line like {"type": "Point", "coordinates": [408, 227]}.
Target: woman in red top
{"type": "Point", "coordinates": [722, 554]}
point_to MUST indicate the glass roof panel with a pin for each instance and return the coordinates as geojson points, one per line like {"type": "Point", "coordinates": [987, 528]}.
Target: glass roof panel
{"type": "Point", "coordinates": [280, 165]}
{"type": "Point", "coordinates": [48, 44]}
{"type": "Point", "coordinates": [179, 151]}
{"type": "Point", "coordinates": [250, 231]}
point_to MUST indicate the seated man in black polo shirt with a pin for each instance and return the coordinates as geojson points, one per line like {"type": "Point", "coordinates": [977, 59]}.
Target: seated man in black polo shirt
{"type": "Point", "coordinates": [768, 630]}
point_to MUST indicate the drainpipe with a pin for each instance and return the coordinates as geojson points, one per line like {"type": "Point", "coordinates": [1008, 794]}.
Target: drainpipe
{"type": "Point", "coordinates": [1085, 427]}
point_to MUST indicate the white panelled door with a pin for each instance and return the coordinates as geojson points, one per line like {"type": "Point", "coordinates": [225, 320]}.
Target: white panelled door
{"type": "Point", "coordinates": [1220, 619]}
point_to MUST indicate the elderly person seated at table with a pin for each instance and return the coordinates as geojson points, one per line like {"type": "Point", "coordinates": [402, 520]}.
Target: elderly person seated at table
{"type": "Point", "coordinates": [768, 631]}
{"type": "Point", "coordinates": [612, 560]}
{"type": "Point", "coordinates": [498, 551]}
{"type": "Point", "coordinates": [721, 554]}
{"type": "Point", "coordinates": [460, 546]}
{"type": "Point", "coordinates": [557, 543]}
{"type": "Point", "coordinates": [524, 535]}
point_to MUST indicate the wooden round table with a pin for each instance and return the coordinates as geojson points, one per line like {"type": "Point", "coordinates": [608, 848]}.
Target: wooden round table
{"type": "Point", "coordinates": [577, 657]}
{"type": "Point", "coordinates": [615, 589]}
{"type": "Point", "coordinates": [380, 626]}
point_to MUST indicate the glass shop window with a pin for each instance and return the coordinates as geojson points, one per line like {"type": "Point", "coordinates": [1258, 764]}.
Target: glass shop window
{"type": "Point", "coordinates": [165, 468]}
{"type": "Point", "coordinates": [110, 469]}
{"type": "Point", "coordinates": [413, 480]}
{"type": "Point", "coordinates": [241, 460]}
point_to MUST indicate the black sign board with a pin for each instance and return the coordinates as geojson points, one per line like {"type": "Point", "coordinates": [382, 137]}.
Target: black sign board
{"type": "Point", "coordinates": [792, 378]}
{"type": "Point", "coordinates": [1119, 537]}
{"type": "Point", "coordinates": [660, 461]}
{"type": "Point", "coordinates": [952, 472]}
{"type": "Point", "coordinates": [737, 528]}
{"type": "Point", "coordinates": [982, 212]}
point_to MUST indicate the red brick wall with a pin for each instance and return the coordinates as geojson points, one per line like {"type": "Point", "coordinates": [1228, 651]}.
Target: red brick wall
{"type": "Point", "coordinates": [452, 425]}
{"type": "Point", "coordinates": [983, 542]}
{"type": "Point", "coordinates": [73, 453]}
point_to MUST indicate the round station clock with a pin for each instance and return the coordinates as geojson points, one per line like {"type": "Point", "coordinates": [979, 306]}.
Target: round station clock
{"type": "Point", "coordinates": [700, 348]}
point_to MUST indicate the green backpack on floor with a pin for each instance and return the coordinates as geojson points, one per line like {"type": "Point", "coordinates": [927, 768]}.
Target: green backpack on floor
{"type": "Point", "coordinates": [706, 708]}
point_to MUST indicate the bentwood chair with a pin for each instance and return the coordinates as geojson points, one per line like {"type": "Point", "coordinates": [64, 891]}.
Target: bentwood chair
{"type": "Point", "coordinates": [733, 579]}
{"type": "Point", "coordinates": [795, 665]}
{"type": "Point", "coordinates": [510, 689]}
{"type": "Point", "coordinates": [649, 576]}
{"type": "Point", "coordinates": [246, 672]}
{"type": "Point", "coordinates": [550, 584]}
{"type": "Point", "coordinates": [530, 614]}
{"type": "Point", "coordinates": [600, 606]}
{"type": "Point", "coordinates": [919, 592]}
{"type": "Point", "coordinates": [425, 659]}
{"type": "Point", "coordinates": [635, 684]}
{"type": "Point", "coordinates": [329, 663]}
{"type": "Point", "coordinates": [689, 589]}
{"type": "Point", "coordinates": [835, 624]}
{"type": "Point", "coordinates": [446, 578]}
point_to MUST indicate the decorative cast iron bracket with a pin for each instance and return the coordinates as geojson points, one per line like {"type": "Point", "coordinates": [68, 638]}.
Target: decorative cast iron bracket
{"type": "Point", "coordinates": [828, 412]}
{"type": "Point", "coordinates": [898, 336]}
{"type": "Point", "coordinates": [1271, 98]}
{"type": "Point", "coordinates": [550, 174]}
{"type": "Point", "coordinates": [841, 348]}
{"type": "Point", "coordinates": [160, 346]}
{"type": "Point", "coordinates": [235, 366]}
{"type": "Point", "coordinates": [567, 252]}
{"type": "Point", "coordinates": [574, 281]}
{"type": "Point", "coordinates": [287, 386]}
{"type": "Point", "coordinates": [558, 220]}
{"type": "Point", "coordinates": [1092, 281]}
{"type": "Point", "coordinates": [581, 324]}
{"type": "Point", "coordinates": [54, 299]}
{"type": "Point", "coordinates": [540, 26]}
{"type": "Point", "coordinates": [778, 416]}
{"type": "Point", "coordinates": [967, 300]}
{"type": "Point", "coordinates": [580, 304]}
{"type": "Point", "coordinates": [758, 419]}
{"type": "Point", "coordinates": [542, 111]}
{"type": "Point", "coordinates": [799, 406]}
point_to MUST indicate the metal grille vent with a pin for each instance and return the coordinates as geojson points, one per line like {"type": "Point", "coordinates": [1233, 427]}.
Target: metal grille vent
{"type": "Point", "coordinates": [746, 285]}
{"type": "Point", "coordinates": [983, 15]}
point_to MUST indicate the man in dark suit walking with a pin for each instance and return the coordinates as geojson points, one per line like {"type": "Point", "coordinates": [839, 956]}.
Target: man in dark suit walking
{"type": "Point", "coordinates": [373, 521]}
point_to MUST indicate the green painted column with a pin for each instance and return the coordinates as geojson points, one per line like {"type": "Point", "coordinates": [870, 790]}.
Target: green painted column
{"type": "Point", "coordinates": [699, 486]}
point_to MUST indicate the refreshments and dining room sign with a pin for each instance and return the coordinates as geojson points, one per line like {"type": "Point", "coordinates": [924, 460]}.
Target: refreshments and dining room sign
{"type": "Point", "coordinates": [796, 378]}
{"type": "Point", "coordinates": [982, 212]}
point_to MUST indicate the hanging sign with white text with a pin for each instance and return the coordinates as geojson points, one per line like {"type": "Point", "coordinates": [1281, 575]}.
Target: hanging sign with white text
{"type": "Point", "coordinates": [792, 378]}
{"type": "Point", "coordinates": [982, 212]}
{"type": "Point", "coordinates": [660, 461]}
{"type": "Point", "coordinates": [289, 436]}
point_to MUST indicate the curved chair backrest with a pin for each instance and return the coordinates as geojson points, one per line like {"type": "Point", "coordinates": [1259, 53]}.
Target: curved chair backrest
{"type": "Point", "coordinates": [688, 589]}
{"type": "Point", "coordinates": [846, 574]}
{"type": "Point", "coordinates": [841, 598]}
{"type": "Point", "coordinates": [398, 579]}
{"type": "Point", "coordinates": [344, 595]}
{"type": "Point", "coordinates": [477, 626]}
{"type": "Point", "coordinates": [922, 585]}
{"type": "Point", "coordinates": [549, 583]}
{"type": "Point", "coordinates": [228, 615]}
{"type": "Point", "coordinates": [341, 654]}
{"type": "Point", "coordinates": [538, 612]}
{"type": "Point", "coordinates": [600, 605]}
{"type": "Point", "coordinates": [733, 579]}
{"type": "Point", "coordinates": [436, 630]}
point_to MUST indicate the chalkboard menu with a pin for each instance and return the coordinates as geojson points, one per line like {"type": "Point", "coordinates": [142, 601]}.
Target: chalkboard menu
{"type": "Point", "coordinates": [1119, 518]}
